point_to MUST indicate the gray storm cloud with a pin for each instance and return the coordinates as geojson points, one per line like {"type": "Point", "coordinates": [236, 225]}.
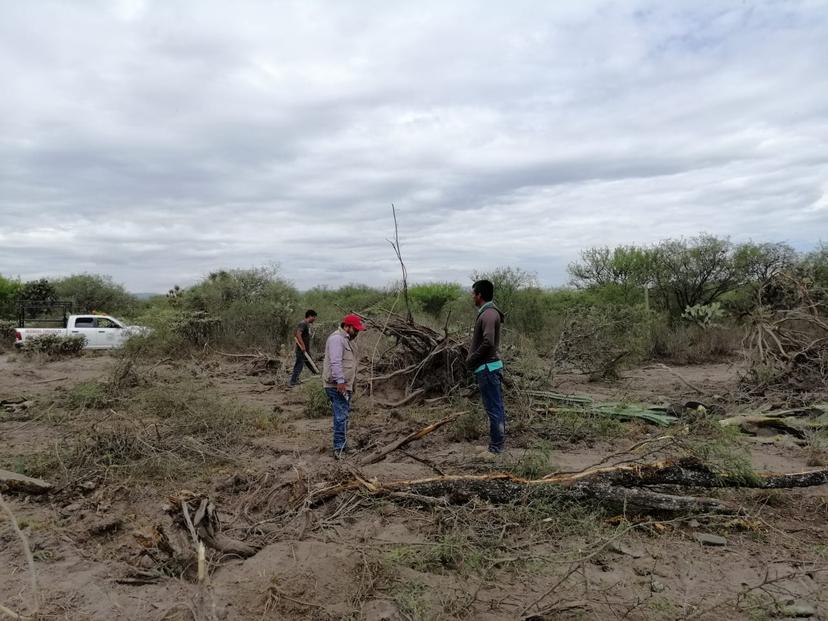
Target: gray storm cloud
{"type": "Point", "coordinates": [157, 141]}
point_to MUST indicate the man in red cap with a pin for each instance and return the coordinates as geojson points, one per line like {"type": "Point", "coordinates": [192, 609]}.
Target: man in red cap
{"type": "Point", "coordinates": [339, 376]}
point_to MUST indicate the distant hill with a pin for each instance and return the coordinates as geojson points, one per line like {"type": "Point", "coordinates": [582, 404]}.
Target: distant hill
{"type": "Point", "coordinates": [146, 296]}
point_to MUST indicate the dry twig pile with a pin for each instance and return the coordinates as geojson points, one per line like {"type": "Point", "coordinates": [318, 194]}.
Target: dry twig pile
{"type": "Point", "coordinates": [787, 346]}
{"type": "Point", "coordinates": [423, 361]}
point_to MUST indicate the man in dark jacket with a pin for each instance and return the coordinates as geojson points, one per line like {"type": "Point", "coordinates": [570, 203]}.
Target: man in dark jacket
{"type": "Point", "coordinates": [301, 335]}
{"type": "Point", "coordinates": [485, 362]}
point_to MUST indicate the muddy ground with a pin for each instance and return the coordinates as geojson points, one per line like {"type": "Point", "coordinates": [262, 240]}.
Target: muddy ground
{"type": "Point", "coordinates": [108, 542]}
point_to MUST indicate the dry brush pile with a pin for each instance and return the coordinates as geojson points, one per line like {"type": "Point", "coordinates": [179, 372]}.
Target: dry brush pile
{"type": "Point", "coordinates": [787, 346]}
{"type": "Point", "coordinates": [421, 361]}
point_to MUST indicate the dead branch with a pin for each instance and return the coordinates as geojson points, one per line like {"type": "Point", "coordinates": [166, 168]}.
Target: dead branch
{"type": "Point", "coordinates": [787, 346]}
{"type": "Point", "coordinates": [396, 246]}
{"type": "Point", "coordinates": [27, 553]}
{"type": "Point", "coordinates": [11, 482]}
{"type": "Point", "coordinates": [416, 435]}
{"type": "Point", "coordinates": [49, 381]}
{"type": "Point", "coordinates": [424, 358]}
{"type": "Point", "coordinates": [678, 376]}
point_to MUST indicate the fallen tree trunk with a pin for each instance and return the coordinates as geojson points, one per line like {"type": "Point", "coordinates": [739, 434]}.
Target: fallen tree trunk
{"type": "Point", "coordinates": [11, 482]}
{"type": "Point", "coordinates": [688, 472]}
{"type": "Point", "coordinates": [750, 423]}
{"type": "Point", "coordinates": [615, 486]}
{"type": "Point", "coordinates": [617, 498]}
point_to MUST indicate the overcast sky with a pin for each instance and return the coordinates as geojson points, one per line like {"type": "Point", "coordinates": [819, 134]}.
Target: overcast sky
{"type": "Point", "coordinates": [157, 141]}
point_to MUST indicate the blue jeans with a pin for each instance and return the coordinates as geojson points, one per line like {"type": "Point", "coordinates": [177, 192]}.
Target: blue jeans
{"type": "Point", "coordinates": [491, 393]}
{"type": "Point", "coordinates": [298, 365]}
{"type": "Point", "coordinates": [341, 412]}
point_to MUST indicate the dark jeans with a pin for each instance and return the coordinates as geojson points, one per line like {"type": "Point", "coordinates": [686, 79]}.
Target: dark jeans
{"type": "Point", "coordinates": [298, 365]}
{"type": "Point", "coordinates": [341, 405]}
{"type": "Point", "coordinates": [492, 395]}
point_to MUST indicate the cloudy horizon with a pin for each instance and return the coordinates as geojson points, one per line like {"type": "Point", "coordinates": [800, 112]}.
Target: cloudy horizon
{"type": "Point", "coordinates": [159, 141]}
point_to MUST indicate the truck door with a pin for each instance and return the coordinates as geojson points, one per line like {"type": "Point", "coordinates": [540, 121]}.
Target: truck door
{"type": "Point", "coordinates": [85, 326]}
{"type": "Point", "coordinates": [109, 333]}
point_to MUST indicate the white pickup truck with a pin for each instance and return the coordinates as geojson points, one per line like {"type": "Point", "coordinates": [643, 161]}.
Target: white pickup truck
{"type": "Point", "coordinates": [100, 331]}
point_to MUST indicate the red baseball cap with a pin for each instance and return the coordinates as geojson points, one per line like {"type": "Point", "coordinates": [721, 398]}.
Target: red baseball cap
{"type": "Point", "coordinates": [355, 321]}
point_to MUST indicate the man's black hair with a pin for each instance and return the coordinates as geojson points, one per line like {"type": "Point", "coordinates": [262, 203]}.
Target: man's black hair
{"type": "Point", "coordinates": [485, 289]}
{"type": "Point", "coordinates": [310, 313]}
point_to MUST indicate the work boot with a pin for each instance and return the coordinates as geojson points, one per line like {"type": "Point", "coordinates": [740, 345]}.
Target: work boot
{"type": "Point", "coordinates": [485, 454]}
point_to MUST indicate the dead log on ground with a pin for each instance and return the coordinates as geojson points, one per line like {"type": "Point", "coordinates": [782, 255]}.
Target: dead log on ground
{"type": "Point", "coordinates": [11, 482]}
{"type": "Point", "coordinates": [617, 487]}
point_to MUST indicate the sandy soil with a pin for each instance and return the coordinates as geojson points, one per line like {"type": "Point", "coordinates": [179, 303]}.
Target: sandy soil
{"type": "Point", "coordinates": [362, 558]}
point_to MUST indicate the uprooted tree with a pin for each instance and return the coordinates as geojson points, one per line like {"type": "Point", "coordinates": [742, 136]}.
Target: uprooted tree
{"type": "Point", "coordinates": [787, 346]}
{"type": "Point", "coordinates": [422, 361]}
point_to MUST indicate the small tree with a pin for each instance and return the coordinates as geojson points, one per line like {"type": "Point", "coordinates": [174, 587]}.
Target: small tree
{"type": "Point", "coordinates": [694, 272]}
{"type": "Point", "coordinates": [622, 272]}
{"type": "Point", "coordinates": [94, 292]}
{"type": "Point", "coordinates": [252, 307]}
{"type": "Point", "coordinates": [814, 268]}
{"type": "Point", "coordinates": [507, 281]}
{"type": "Point", "coordinates": [759, 263]}
{"type": "Point", "coordinates": [36, 291]}
{"type": "Point", "coordinates": [433, 297]}
{"type": "Point", "coordinates": [8, 294]}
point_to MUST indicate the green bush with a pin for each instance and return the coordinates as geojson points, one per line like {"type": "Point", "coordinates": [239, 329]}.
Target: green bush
{"type": "Point", "coordinates": [317, 404]}
{"type": "Point", "coordinates": [240, 308]}
{"type": "Point", "coordinates": [7, 331]}
{"type": "Point", "coordinates": [692, 344]}
{"type": "Point", "coordinates": [196, 327]}
{"type": "Point", "coordinates": [8, 294]}
{"type": "Point", "coordinates": [432, 298]}
{"type": "Point", "coordinates": [94, 292]}
{"type": "Point", "coordinates": [93, 395]}
{"type": "Point", "coordinates": [55, 345]}
{"type": "Point", "coordinates": [333, 304]}
{"type": "Point", "coordinates": [598, 339]}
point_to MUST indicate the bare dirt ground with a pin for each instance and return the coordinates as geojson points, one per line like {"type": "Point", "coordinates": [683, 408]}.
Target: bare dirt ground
{"type": "Point", "coordinates": [103, 540]}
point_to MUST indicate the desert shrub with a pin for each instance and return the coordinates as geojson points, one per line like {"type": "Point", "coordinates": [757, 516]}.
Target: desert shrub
{"type": "Point", "coordinates": [598, 339]}
{"type": "Point", "coordinates": [9, 289]}
{"type": "Point", "coordinates": [92, 395]}
{"type": "Point", "coordinates": [814, 269]}
{"type": "Point", "coordinates": [684, 343]}
{"type": "Point", "coordinates": [160, 430]}
{"type": "Point", "coordinates": [94, 292]}
{"type": "Point", "coordinates": [333, 304]}
{"type": "Point", "coordinates": [235, 309]}
{"type": "Point", "coordinates": [569, 426]}
{"type": "Point", "coordinates": [534, 462]}
{"type": "Point", "coordinates": [196, 327]}
{"type": "Point", "coordinates": [316, 400]}
{"type": "Point", "coordinates": [39, 291]}
{"type": "Point", "coordinates": [469, 426]}
{"type": "Point", "coordinates": [240, 308]}
{"type": "Point", "coordinates": [507, 281]}
{"type": "Point", "coordinates": [432, 298]}
{"type": "Point", "coordinates": [55, 345]}
{"type": "Point", "coordinates": [7, 331]}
